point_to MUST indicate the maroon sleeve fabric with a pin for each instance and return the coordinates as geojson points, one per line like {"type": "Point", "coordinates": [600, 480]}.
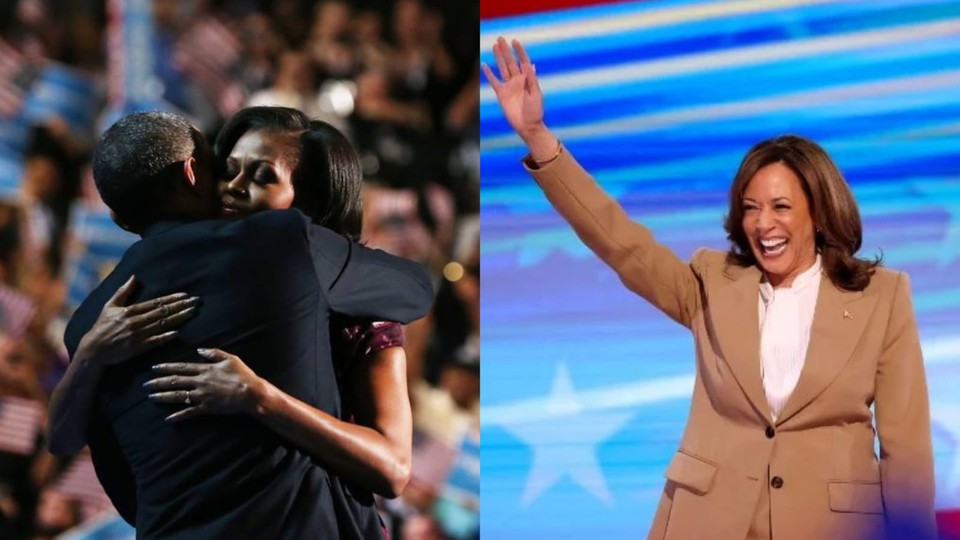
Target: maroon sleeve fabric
{"type": "Point", "coordinates": [366, 339]}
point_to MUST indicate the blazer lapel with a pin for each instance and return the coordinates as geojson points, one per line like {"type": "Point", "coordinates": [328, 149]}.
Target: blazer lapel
{"type": "Point", "coordinates": [839, 319]}
{"type": "Point", "coordinates": [733, 313]}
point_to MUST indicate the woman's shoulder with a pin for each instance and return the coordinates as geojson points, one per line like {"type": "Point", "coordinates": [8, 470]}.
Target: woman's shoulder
{"type": "Point", "coordinates": [707, 262]}
{"type": "Point", "coordinates": [364, 338]}
{"type": "Point", "coordinates": [376, 336]}
{"type": "Point", "coordinates": [709, 257]}
{"type": "Point", "coordinates": [887, 280]}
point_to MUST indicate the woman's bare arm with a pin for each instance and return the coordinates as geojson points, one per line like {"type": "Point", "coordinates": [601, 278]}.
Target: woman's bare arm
{"type": "Point", "coordinates": [374, 452]}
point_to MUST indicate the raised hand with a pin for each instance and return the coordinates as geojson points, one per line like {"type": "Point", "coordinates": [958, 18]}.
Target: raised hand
{"type": "Point", "coordinates": [122, 332]}
{"type": "Point", "coordinates": [517, 88]}
{"type": "Point", "coordinates": [227, 386]}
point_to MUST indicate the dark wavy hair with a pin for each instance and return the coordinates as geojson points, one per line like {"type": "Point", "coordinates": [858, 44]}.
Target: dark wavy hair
{"type": "Point", "coordinates": [327, 176]}
{"type": "Point", "coordinates": [832, 206]}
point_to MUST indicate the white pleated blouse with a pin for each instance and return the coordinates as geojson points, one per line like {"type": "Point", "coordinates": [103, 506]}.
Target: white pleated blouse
{"type": "Point", "coordinates": [786, 315]}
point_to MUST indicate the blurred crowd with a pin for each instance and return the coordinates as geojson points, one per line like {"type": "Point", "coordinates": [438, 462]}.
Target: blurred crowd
{"type": "Point", "coordinates": [400, 78]}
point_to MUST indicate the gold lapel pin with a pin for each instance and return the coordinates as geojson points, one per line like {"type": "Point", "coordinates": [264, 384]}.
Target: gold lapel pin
{"type": "Point", "coordinates": [847, 314]}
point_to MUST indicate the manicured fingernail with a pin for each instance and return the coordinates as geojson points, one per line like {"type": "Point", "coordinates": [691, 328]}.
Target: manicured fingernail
{"type": "Point", "coordinates": [155, 367]}
{"type": "Point", "coordinates": [204, 352]}
{"type": "Point", "coordinates": [194, 299]}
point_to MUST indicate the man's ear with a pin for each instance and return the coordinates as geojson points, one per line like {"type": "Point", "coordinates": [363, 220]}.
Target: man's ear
{"type": "Point", "coordinates": [189, 165]}
{"type": "Point", "coordinates": [120, 222]}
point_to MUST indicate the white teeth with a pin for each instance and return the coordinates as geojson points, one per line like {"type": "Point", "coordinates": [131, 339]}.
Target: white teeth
{"type": "Point", "coordinates": [773, 242]}
{"type": "Point", "coordinates": [773, 246]}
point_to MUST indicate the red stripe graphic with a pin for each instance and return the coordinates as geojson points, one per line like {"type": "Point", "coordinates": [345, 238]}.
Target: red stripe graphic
{"type": "Point", "coordinates": [490, 9]}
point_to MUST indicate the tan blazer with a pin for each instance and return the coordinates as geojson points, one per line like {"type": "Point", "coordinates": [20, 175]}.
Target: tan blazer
{"type": "Point", "coordinates": [813, 474]}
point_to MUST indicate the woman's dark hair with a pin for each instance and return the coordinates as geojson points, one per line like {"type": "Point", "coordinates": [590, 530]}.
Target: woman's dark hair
{"type": "Point", "coordinates": [327, 177]}
{"type": "Point", "coordinates": [832, 206]}
{"type": "Point", "coordinates": [277, 119]}
{"type": "Point", "coordinates": [328, 182]}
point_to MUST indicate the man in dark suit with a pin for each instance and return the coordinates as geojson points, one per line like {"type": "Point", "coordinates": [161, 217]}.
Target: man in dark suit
{"type": "Point", "coordinates": [267, 284]}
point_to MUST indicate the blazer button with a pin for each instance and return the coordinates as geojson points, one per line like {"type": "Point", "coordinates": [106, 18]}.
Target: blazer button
{"type": "Point", "coordinates": [770, 432]}
{"type": "Point", "coordinates": [776, 482]}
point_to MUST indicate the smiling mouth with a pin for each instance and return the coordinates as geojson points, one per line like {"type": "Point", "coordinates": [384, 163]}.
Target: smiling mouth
{"type": "Point", "coordinates": [231, 210]}
{"type": "Point", "coordinates": [772, 247]}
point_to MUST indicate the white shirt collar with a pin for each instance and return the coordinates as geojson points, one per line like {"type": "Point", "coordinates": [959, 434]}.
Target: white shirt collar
{"type": "Point", "coordinates": [801, 282]}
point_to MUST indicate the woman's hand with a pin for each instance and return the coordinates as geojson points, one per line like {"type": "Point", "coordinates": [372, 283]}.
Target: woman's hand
{"type": "Point", "coordinates": [517, 89]}
{"type": "Point", "coordinates": [226, 386]}
{"type": "Point", "coordinates": [521, 99]}
{"type": "Point", "coordinates": [122, 332]}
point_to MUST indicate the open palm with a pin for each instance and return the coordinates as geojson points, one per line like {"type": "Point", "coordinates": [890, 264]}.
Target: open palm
{"type": "Point", "coordinates": [517, 89]}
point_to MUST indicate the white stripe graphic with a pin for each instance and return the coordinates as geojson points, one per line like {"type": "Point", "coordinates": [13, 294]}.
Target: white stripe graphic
{"type": "Point", "coordinates": [648, 391]}
{"type": "Point", "coordinates": [709, 113]}
{"type": "Point", "coordinates": [743, 56]}
{"type": "Point", "coordinates": [619, 22]}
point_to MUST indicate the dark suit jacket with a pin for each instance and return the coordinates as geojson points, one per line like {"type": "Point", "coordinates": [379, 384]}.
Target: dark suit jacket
{"type": "Point", "coordinates": [267, 285]}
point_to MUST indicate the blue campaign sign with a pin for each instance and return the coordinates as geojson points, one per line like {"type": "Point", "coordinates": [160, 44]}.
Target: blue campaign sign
{"type": "Point", "coordinates": [98, 246]}
{"type": "Point", "coordinates": [459, 522]}
{"type": "Point", "coordinates": [13, 141]}
{"type": "Point", "coordinates": [11, 168]}
{"type": "Point", "coordinates": [110, 527]}
{"type": "Point", "coordinates": [464, 479]}
{"type": "Point", "coordinates": [133, 79]}
{"type": "Point", "coordinates": [65, 93]}
{"type": "Point", "coordinates": [139, 81]}
{"type": "Point", "coordinates": [13, 134]}
{"type": "Point", "coordinates": [86, 272]}
{"type": "Point", "coordinates": [458, 507]}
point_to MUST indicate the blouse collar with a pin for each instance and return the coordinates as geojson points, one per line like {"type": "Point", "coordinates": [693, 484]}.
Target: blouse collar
{"type": "Point", "coordinates": [800, 283]}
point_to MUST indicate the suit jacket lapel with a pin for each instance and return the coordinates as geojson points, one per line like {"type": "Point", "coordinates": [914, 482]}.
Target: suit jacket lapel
{"type": "Point", "coordinates": [733, 313]}
{"type": "Point", "coordinates": [839, 319]}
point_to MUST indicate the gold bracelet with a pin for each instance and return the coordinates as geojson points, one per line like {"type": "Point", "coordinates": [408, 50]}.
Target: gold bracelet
{"type": "Point", "coordinates": [552, 158]}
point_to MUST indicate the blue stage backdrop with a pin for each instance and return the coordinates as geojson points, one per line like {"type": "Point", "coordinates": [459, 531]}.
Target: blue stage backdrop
{"type": "Point", "coordinates": [586, 387]}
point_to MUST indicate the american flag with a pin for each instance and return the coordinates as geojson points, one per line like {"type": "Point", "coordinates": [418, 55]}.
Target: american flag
{"type": "Point", "coordinates": [16, 311]}
{"type": "Point", "coordinates": [80, 482]}
{"type": "Point", "coordinates": [207, 53]}
{"type": "Point", "coordinates": [20, 422]}
{"type": "Point", "coordinates": [432, 459]}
